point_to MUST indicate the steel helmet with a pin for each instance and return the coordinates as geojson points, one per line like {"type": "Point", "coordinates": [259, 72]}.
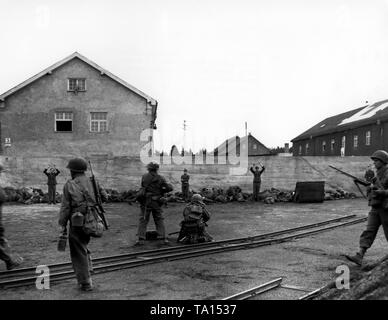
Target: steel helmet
{"type": "Point", "coordinates": [380, 155]}
{"type": "Point", "coordinates": [196, 198]}
{"type": "Point", "coordinates": [77, 165]}
{"type": "Point", "coordinates": [153, 166]}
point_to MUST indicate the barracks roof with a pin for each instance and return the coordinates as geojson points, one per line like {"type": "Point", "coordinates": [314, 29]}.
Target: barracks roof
{"type": "Point", "coordinates": [367, 114]}
{"type": "Point", "coordinates": [89, 62]}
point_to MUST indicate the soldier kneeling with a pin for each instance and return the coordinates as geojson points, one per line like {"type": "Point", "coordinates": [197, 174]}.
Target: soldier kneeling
{"type": "Point", "coordinates": [193, 227]}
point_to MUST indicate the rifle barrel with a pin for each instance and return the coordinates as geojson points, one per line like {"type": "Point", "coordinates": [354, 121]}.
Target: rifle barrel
{"type": "Point", "coordinates": [360, 181]}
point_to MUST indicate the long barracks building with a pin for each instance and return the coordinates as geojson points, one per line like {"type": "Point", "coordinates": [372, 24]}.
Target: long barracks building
{"type": "Point", "coordinates": [358, 132]}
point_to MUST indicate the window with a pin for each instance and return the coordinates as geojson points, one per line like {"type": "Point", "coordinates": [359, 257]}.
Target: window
{"type": "Point", "coordinates": [307, 148]}
{"type": "Point", "coordinates": [323, 146]}
{"type": "Point", "coordinates": [63, 121]}
{"type": "Point", "coordinates": [254, 146]}
{"type": "Point", "coordinates": [300, 149]}
{"type": "Point", "coordinates": [343, 142]}
{"type": "Point", "coordinates": [75, 84]}
{"type": "Point", "coordinates": [332, 144]}
{"type": "Point", "coordinates": [355, 141]}
{"type": "Point", "coordinates": [367, 138]}
{"type": "Point", "coordinates": [98, 122]}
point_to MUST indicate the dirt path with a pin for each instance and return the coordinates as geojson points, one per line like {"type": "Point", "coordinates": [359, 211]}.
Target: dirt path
{"type": "Point", "coordinates": [308, 262]}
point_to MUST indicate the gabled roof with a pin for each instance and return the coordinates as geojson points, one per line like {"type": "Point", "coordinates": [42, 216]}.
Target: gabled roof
{"type": "Point", "coordinates": [89, 62]}
{"type": "Point", "coordinates": [234, 142]}
{"type": "Point", "coordinates": [365, 115]}
{"type": "Point", "coordinates": [253, 139]}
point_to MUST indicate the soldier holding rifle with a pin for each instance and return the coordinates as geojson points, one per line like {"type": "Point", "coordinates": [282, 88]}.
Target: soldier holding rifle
{"type": "Point", "coordinates": [153, 188]}
{"type": "Point", "coordinates": [378, 200]}
{"type": "Point", "coordinates": [77, 193]}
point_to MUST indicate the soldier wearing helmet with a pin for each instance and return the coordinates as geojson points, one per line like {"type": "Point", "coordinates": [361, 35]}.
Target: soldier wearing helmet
{"type": "Point", "coordinates": [153, 187]}
{"type": "Point", "coordinates": [11, 261]}
{"type": "Point", "coordinates": [74, 196]}
{"type": "Point", "coordinates": [193, 226]}
{"type": "Point", "coordinates": [378, 200]}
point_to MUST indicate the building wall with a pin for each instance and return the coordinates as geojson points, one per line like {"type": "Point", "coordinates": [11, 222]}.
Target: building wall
{"type": "Point", "coordinates": [260, 149]}
{"type": "Point", "coordinates": [124, 173]}
{"type": "Point", "coordinates": [29, 115]}
{"type": "Point", "coordinates": [378, 140]}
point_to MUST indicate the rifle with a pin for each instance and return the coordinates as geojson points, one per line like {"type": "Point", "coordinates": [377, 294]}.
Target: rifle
{"type": "Point", "coordinates": [356, 180]}
{"type": "Point", "coordinates": [101, 211]}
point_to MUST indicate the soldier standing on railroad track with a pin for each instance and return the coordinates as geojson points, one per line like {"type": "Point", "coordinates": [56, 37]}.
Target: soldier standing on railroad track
{"type": "Point", "coordinates": [5, 255]}
{"type": "Point", "coordinates": [153, 188]}
{"type": "Point", "coordinates": [74, 201]}
{"type": "Point", "coordinates": [378, 200]}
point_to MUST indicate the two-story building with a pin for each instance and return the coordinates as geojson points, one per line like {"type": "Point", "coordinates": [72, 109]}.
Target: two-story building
{"type": "Point", "coordinates": [74, 108]}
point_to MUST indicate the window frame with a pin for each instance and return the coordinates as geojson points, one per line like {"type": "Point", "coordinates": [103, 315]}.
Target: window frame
{"type": "Point", "coordinates": [98, 121]}
{"type": "Point", "coordinates": [355, 141]}
{"type": "Point", "coordinates": [332, 144]}
{"type": "Point", "coordinates": [76, 79]}
{"type": "Point", "coordinates": [63, 119]}
{"type": "Point", "coordinates": [368, 138]}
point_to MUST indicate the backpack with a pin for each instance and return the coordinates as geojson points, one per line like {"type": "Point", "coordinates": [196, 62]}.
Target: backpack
{"type": "Point", "coordinates": [93, 225]}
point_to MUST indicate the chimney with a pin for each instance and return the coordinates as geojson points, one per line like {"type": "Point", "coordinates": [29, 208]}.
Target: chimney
{"type": "Point", "coordinates": [286, 148]}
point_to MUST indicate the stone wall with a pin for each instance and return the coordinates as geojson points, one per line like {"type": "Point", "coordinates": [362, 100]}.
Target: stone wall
{"type": "Point", "coordinates": [123, 173]}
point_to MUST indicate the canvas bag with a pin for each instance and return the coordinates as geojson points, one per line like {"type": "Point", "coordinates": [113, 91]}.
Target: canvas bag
{"type": "Point", "coordinates": [93, 225]}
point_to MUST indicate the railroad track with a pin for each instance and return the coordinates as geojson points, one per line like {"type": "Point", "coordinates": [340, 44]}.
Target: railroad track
{"type": "Point", "coordinates": [63, 271]}
{"type": "Point", "coordinates": [275, 284]}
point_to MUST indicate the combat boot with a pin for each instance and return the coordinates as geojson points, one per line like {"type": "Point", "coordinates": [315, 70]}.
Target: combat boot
{"type": "Point", "coordinates": [86, 287]}
{"type": "Point", "coordinates": [357, 258]}
{"type": "Point", "coordinates": [139, 242]}
{"type": "Point", "coordinates": [12, 264]}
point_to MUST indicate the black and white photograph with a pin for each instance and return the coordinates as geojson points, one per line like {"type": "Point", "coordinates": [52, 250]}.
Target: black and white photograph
{"type": "Point", "coordinates": [193, 154]}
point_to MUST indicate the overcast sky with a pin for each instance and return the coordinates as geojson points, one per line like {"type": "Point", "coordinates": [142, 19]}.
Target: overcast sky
{"type": "Point", "coordinates": [282, 66]}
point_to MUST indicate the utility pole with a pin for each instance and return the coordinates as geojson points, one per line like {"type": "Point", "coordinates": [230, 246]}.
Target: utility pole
{"type": "Point", "coordinates": [246, 128]}
{"type": "Point", "coordinates": [184, 134]}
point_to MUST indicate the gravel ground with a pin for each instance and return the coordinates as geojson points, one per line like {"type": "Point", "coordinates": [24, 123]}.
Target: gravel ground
{"type": "Point", "coordinates": [308, 263]}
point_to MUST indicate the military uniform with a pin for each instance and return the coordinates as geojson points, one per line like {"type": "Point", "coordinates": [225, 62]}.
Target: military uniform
{"type": "Point", "coordinates": [378, 200]}
{"type": "Point", "coordinates": [4, 248]}
{"type": "Point", "coordinates": [52, 184]}
{"type": "Point", "coordinates": [379, 213]}
{"type": "Point", "coordinates": [4, 255]}
{"type": "Point", "coordinates": [73, 201]}
{"type": "Point", "coordinates": [155, 187]}
{"type": "Point", "coordinates": [185, 186]}
{"type": "Point", "coordinates": [256, 182]}
{"type": "Point", "coordinates": [193, 227]}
